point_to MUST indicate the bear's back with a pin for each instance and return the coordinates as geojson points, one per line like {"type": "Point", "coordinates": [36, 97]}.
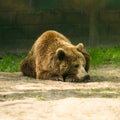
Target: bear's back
{"type": "Point", "coordinates": [51, 36]}
{"type": "Point", "coordinates": [50, 41]}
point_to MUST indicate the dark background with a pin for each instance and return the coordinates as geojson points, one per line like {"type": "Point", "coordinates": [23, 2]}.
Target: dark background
{"type": "Point", "coordinates": [93, 22]}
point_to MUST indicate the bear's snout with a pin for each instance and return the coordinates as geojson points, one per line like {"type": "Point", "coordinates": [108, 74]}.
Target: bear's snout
{"type": "Point", "coordinates": [74, 78]}
{"type": "Point", "coordinates": [85, 78]}
{"type": "Point", "coordinates": [82, 74]}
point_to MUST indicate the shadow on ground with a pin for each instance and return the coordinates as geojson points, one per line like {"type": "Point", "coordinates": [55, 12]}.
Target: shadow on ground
{"type": "Point", "coordinates": [61, 94]}
{"type": "Point", "coordinates": [14, 86]}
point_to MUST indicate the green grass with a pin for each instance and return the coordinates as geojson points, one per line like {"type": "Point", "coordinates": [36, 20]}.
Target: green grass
{"type": "Point", "coordinates": [99, 56]}
{"type": "Point", "coordinates": [10, 63]}
{"type": "Point", "coordinates": [40, 97]}
{"type": "Point", "coordinates": [103, 56]}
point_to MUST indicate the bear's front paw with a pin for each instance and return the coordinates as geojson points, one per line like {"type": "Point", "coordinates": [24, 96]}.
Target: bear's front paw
{"type": "Point", "coordinates": [70, 80]}
{"type": "Point", "coordinates": [57, 79]}
{"type": "Point", "coordinates": [76, 80]}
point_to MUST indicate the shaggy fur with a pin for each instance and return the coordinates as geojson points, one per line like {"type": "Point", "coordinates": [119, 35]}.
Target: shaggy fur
{"type": "Point", "coordinates": [53, 56]}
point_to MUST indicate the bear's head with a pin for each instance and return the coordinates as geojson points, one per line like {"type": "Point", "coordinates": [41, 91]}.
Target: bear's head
{"type": "Point", "coordinates": [72, 63]}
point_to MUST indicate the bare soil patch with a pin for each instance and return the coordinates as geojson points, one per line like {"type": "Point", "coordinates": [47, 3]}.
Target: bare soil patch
{"type": "Point", "coordinates": [23, 98]}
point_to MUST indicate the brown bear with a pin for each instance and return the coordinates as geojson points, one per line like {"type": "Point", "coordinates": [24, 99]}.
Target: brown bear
{"type": "Point", "coordinates": [52, 56]}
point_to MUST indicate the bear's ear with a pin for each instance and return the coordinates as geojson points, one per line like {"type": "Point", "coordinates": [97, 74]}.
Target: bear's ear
{"type": "Point", "coordinates": [60, 53]}
{"type": "Point", "coordinates": [79, 47]}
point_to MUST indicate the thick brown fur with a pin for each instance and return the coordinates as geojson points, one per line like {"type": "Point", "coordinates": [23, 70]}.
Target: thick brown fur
{"type": "Point", "coordinates": [53, 56]}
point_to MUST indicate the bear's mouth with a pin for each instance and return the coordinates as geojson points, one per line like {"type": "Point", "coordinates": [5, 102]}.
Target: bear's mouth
{"type": "Point", "coordinates": [65, 75]}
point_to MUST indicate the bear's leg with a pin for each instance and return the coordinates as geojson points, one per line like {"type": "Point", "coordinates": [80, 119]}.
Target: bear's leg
{"type": "Point", "coordinates": [47, 75]}
{"type": "Point", "coordinates": [28, 67]}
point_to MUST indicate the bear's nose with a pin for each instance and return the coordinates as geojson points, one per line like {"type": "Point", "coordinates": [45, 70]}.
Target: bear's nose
{"type": "Point", "coordinates": [86, 78]}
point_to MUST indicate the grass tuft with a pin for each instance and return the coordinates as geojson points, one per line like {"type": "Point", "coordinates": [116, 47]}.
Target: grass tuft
{"type": "Point", "coordinates": [10, 63]}
{"type": "Point", "coordinates": [103, 56]}
{"type": "Point", "coordinates": [99, 56]}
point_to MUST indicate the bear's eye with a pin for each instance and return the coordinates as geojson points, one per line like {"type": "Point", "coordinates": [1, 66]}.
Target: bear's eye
{"type": "Point", "coordinates": [76, 66]}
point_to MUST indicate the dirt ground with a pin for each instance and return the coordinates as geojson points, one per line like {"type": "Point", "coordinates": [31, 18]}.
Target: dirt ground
{"type": "Point", "coordinates": [23, 98]}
